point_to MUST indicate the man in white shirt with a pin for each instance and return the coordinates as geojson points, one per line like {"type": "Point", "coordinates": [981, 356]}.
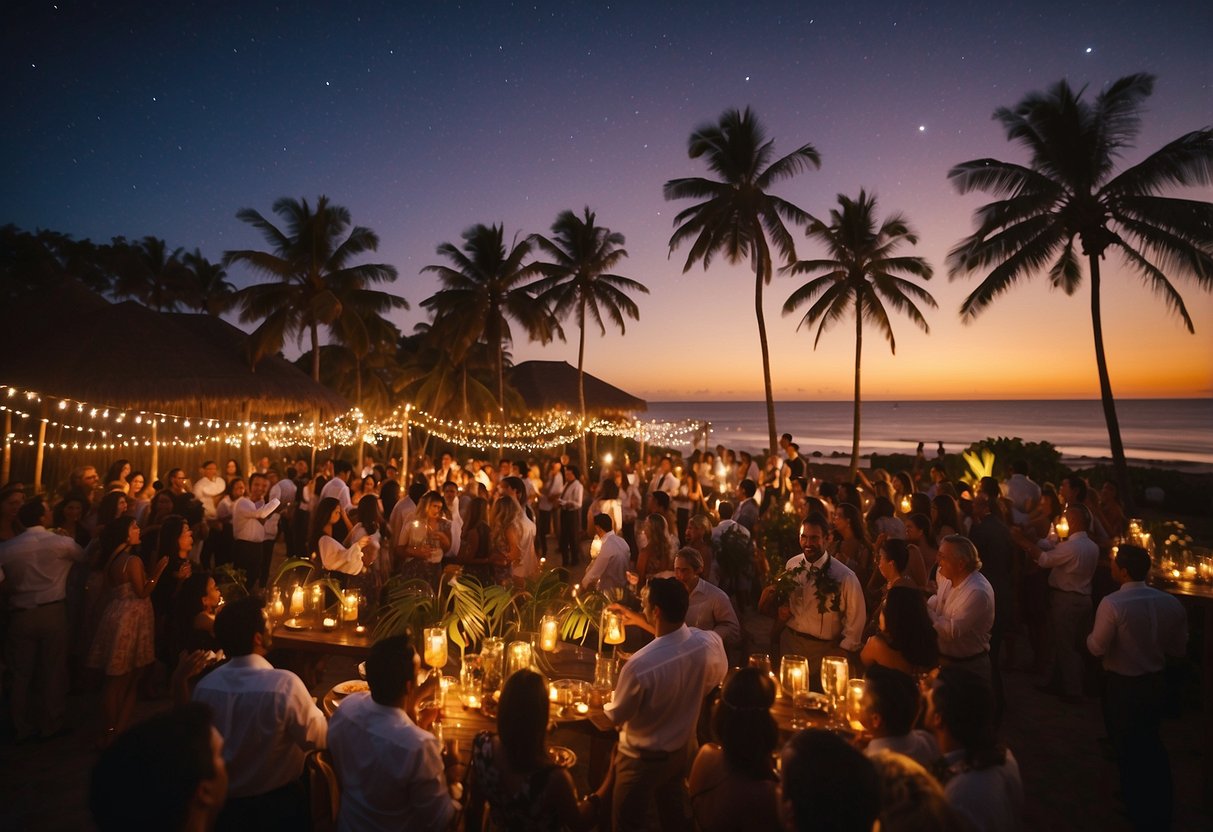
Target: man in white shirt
{"type": "Point", "coordinates": [825, 616]}
{"type": "Point", "coordinates": [34, 566]}
{"type": "Point", "coordinates": [609, 570]}
{"type": "Point", "coordinates": [209, 489]}
{"type": "Point", "coordinates": [528, 562]}
{"type": "Point", "coordinates": [549, 498]}
{"type": "Point", "coordinates": [339, 488]}
{"type": "Point", "coordinates": [285, 491]}
{"type": "Point", "coordinates": [268, 722]}
{"type": "Point", "coordinates": [1071, 564]}
{"type": "Point", "coordinates": [726, 522]}
{"type": "Point", "coordinates": [982, 781]}
{"type": "Point", "coordinates": [656, 707]}
{"type": "Point", "coordinates": [571, 498]}
{"type": "Point", "coordinates": [394, 774]}
{"type": "Point", "coordinates": [450, 496]}
{"type": "Point", "coordinates": [709, 607]}
{"type": "Point", "coordinates": [249, 515]}
{"type": "Point", "coordinates": [962, 607]}
{"type": "Point", "coordinates": [1136, 628]}
{"type": "Point", "coordinates": [1023, 493]}
{"type": "Point", "coordinates": [664, 479]}
{"type": "Point", "coordinates": [890, 707]}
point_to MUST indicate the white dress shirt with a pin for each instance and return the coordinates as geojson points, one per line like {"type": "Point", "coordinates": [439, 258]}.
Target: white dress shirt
{"type": "Point", "coordinates": [920, 746]}
{"type": "Point", "coordinates": [528, 562]}
{"type": "Point", "coordinates": [268, 721]}
{"type": "Point", "coordinates": [248, 519]}
{"type": "Point", "coordinates": [963, 615]}
{"type": "Point", "coordinates": [664, 482]}
{"type": "Point", "coordinates": [572, 495]}
{"type": "Point", "coordinates": [609, 570]}
{"type": "Point", "coordinates": [661, 689]}
{"type": "Point", "coordinates": [845, 624]}
{"type": "Point", "coordinates": [402, 513]}
{"type": "Point", "coordinates": [711, 609]}
{"type": "Point", "coordinates": [1072, 562]}
{"type": "Point", "coordinates": [337, 558]}
{"type": "Point", "coordinates": [1023, 494]}
{"type": "Point", "coordinates": [990, 799]}
{"type": "Point", "coordinates": [338, 489]}
{"type": "Point", "coordinates": [1136, 628]}
{"type": "Point", "coordinates": [390, 769]}
{"type": "Point", "coordinates": [35, 564]}
{"type": "Point", "coordinates": [209, 491]}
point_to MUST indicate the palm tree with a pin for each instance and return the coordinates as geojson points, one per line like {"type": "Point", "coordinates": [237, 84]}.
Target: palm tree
{"type": "Point", "coordinates": [149, 273]}
{"type": "Point", "coordinates": [1068, 192]}
{"type": "Point", "coordinates": [484, 288]}
{"type": "Point", "coordinates": [310, 264]}
{"type": "Point", "coordinates": [737, 214]}
{"type": "Point", "coordinates": [578, 281]}
{"type": "Point", "coordinates": [209, 289]}
{"type": "Point", "coordinates": [860, 273]}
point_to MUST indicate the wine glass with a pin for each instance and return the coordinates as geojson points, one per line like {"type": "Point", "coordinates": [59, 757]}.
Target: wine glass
{"type": "Point", "coordinates": [835, 674]}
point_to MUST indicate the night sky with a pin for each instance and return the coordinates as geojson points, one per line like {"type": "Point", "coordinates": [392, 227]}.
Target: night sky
{"type": "Point", "coordinates": [425, 118]}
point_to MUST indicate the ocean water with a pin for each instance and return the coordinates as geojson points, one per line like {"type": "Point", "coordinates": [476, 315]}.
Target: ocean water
{"type": "Point", "coordinates": [1173, 431]}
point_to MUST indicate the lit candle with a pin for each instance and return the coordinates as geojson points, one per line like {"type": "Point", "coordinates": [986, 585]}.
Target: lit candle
{"type": "Point", "coordinates": [613, 634]}
{"type": "Point", "coordinates": [317, 597]}
{"type": "Point", "coordinates": [1190, 572]}
{"type": "Point", "coordinates": [906, 505]}
{"type": "Point", "coordinates": [297, 600]}
{"type": "Point", "coordinates": [553, 693]}
{"type": "Point", "coordinates": [330, 623]}
{"type": "Point", "coordinates": [1063, 527]}
{"type": "Point", "coordinates": [349, 607]}
{"type": "Point", "coordinates": [518, 657]}
{"type": "Point", "coordinates": [360, 629]}
{"type": "Point", "coordinates": [548, 631]}
{"type": "Point", "coordinates": [435, 647]}
{"type": "Point", "coordinates": [582, 708]}
{"type": "Point", "coordinates": [471, 701]}
{"type": "Point", "coordinates": [278, 609]}
{"type": "Point", "coordinates": [796, 677]}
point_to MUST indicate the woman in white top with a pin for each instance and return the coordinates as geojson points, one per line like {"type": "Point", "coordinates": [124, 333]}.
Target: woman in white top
{"type": "Point", "coordinates": [368, 527]}
{"type": "Point", "coordinates": [426, 536]}
{"type": "Point", "coordinates": [347, 560]}
{"type": "Point", "coordinates": [608, 503]}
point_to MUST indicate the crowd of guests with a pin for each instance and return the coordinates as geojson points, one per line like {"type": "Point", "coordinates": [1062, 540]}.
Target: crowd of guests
{"type": "Point", "coordinates": [929, 588]}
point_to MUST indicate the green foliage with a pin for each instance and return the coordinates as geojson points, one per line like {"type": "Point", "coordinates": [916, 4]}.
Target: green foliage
{"type": "Point", "coordinates": [475, 610]}
{"type": "Point", "coordinates": [407, 606]}
{"type": "Point", "coordinates": [734, 553]}
{"type": "Point", "coordinates": [780, 538]}
{"type": "Point", "coordinates": [981, 465]}
{"type": "Point", "coordinates": [231, 582]}
{"type": "Point", "coordinates": [1044, 460]}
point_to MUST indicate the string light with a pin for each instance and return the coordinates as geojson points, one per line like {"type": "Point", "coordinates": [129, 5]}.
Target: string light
{"type": "Point", "coordinates": [105, 427]}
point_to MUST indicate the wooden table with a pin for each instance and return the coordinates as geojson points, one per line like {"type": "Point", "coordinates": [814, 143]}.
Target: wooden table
{"type": "Point", "coordinates": [462, 724]}
{"type": "Point", "coordinates": [342, 641]}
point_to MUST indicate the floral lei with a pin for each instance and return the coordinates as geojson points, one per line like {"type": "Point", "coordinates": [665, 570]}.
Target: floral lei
{"type": "Point", "coordinates": [826, 587]}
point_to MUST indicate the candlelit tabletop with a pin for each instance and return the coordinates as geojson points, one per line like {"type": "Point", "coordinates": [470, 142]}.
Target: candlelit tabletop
{"type": "Point", "coordinates": [341, 640]}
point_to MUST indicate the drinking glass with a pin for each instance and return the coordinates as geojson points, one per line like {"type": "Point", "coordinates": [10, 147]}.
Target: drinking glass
{"type": "Point", "coordinates": [471, 681]}
{"type": "Point", "coordinates": [492, 656]}
{"type": "Point", "coordinates": [793, 675]}
{"type": "Point", "coordinates": [834, 677]}
{"type": "Point", "coordinates": [519, 657]}
{"type": "Point", "coordinates": [435, 647]}
{"type": "Point", "coordinates": [857, 690]}
{"type": "Point", "coordinates": [762, 661]}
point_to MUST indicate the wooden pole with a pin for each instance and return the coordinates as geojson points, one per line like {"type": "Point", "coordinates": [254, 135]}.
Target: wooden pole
{"type": "Point", "coordinates": [155, 450]}
{"type": "Point", "coordinates": [41, 451]}
{"type": "Point", "coordinates": [406, 464]}
{"type": "Point", "coordinates": [246, 416]}
{"type": "Point", "coordinates": [8, 447]}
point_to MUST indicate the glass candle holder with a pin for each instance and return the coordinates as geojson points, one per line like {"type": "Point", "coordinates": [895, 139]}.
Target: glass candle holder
{"type": "Point", "coordinates": [492, 655]}
{"type": "Point", "coordinates": [857, 691]}
{"type": "Point", "coordinates": [276, 606]}
{"type": "Point", "coordinates": [549, 634]}
{"type": "Point", "coordinates": [471, 681]}
{"type": "Point", "coordinates": [518, 657]}
{"type": "Point", "coordinates": [297, 600]}
{"type": "Point", "coordinates": [612, 627]}
{"type": "Point", "coordinates": [793, 675]}
{"type": "Point", "coordinates": [435, 647]}
{"type": "Point", "coordinates": [349, 606]}
{"type": "Point", "coordinates": [835, 673]}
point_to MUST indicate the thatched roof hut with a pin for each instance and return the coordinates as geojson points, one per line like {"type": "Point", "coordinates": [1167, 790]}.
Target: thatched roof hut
{"type": "Point", "coordinates": [548, 385]}
{"type": "Point", "coordinates": [69, 342]}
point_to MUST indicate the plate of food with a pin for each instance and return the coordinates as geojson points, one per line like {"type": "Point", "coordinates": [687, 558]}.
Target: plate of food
{"type": "Point", "coordinates": [352, 686]}
{"type": "Point", "coordinates": [561, 756]}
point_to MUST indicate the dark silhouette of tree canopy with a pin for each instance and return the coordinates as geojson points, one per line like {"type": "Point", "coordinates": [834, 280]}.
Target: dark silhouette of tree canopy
{"type": "Point", "coordinates": [314, 280]}
{"type": "Point", "coordinates": [487, 285]}
{"type": "Point", "coordinates": [578, 282]}
{"type": "Point", "coordinates": [1069, 192]}
{"type": "Point", "coordinates": [737, 214]}
{"type": "Point", "coordinates": [860, 274]}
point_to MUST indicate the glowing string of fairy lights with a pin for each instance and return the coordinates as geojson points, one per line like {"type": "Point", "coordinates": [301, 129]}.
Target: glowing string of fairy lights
{"type": "Point", "coordinates": [90, 426]}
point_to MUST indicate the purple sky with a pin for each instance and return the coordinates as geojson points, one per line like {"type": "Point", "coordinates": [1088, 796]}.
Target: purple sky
{"type": "Point", "coordinates": [425, 118]}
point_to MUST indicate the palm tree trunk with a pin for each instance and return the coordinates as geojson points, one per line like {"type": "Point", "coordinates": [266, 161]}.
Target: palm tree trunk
{"type": "Point", "coordinates": [1119, 465]}
{"type": "Point", "coordinates": [581, 381]}
{"type": "Point", "coordinates": [858, 353]}
{"type": "Point", "coordinates": [766, 352]}
{"type": "Point", "coordinates": [315, 332]}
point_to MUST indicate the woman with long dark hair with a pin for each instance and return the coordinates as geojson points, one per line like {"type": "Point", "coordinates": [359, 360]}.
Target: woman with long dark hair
{"type": "Point", "coordinates": [513, 777]}
{"type": "Point", "coordinates": [475, 549]}
{"type": "Point", "coordinates": [945, 516]}
{"type": "Point", "coordinates": [907, 640]}
{"type": "Point", "coordinates": [853, 546]}
{"type": "Point", "coordinates": [332, 556]}
{"type": "Point", "coordinates": [124, 642]}
{"type": "Point", "coordinates": [368, 523]}
{"type": "Point", "coordinates": [733, 785]}
{"type": "Point", "coordinates": [192, 619]}
{"type": "Point", "coordinates": [119, 471]}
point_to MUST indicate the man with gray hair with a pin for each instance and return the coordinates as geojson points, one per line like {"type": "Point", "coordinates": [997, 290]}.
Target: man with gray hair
{"type": "Point", "coordinates": [962, 607]}
{"type": "Point", "coordinates": [709, 607]}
